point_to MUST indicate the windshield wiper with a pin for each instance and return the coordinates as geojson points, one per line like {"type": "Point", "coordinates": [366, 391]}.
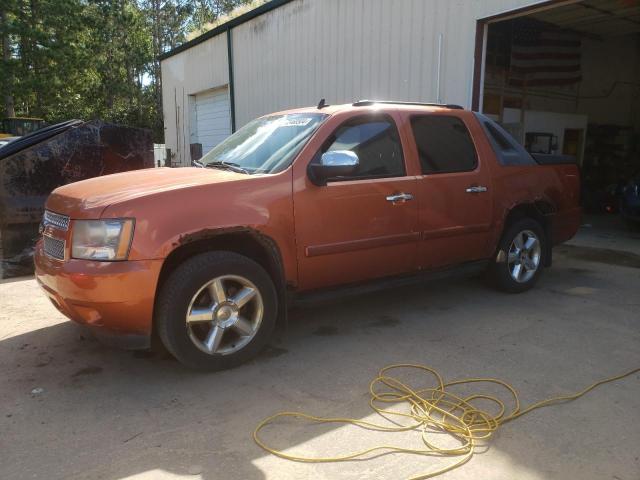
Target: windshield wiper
{"type": "Point", "coordinates": [234, 167]}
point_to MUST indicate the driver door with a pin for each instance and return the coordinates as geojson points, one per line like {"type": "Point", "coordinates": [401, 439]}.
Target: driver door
{"type": "Point", "coordinates": [364, 225]}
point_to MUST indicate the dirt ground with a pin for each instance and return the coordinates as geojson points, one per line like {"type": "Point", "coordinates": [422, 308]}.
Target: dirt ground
{"type": "Point", "coordinates": [71, 408]}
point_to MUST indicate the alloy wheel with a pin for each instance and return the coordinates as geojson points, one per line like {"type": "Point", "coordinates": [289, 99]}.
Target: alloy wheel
{"type": "Point", "coordinates": [524, 256]}
{"type": "Point", "coordinates": [224, 315]}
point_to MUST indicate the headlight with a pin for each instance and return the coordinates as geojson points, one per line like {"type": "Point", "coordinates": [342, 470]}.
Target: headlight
{"type": "Point", "coordinates": [105, 240]}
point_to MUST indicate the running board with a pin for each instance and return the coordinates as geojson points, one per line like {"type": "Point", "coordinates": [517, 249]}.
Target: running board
{"type": "Point", "coordinates": [319, 296]}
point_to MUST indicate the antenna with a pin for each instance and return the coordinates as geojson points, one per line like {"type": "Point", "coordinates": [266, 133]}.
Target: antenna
{"type": "Point", "coordinates": [322, 104]}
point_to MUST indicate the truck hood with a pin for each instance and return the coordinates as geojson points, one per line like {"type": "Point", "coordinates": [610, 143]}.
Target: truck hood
{"type": "Point", "coordinates": [89, 198]}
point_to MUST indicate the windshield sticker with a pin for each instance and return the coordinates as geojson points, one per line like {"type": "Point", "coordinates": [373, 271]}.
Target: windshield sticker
{"type": "Point", "coordinates": [294, 122]}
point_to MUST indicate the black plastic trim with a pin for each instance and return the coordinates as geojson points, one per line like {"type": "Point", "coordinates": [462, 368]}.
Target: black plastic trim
{"type": "Point", "coordinates": [554, 159]}
{"type": "Point", "coordinates": [456, 271]}
{"type": "Point", "coordinates": [510, 154]}
{"type": "Point", "coordinates": [368, 103]}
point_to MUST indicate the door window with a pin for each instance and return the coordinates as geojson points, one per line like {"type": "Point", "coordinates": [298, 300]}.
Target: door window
{"type": "Point", "coordinates": [376, 142]}
{"type": "Point", "coordinates": [444, 144]}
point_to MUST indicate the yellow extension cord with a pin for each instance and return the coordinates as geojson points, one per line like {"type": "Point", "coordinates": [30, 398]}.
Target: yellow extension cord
{"type": "Point", "coordinates": [432, 410]}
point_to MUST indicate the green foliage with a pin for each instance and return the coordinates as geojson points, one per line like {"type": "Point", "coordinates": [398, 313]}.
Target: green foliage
{"type": "Point", "coordinates": [88, 59]}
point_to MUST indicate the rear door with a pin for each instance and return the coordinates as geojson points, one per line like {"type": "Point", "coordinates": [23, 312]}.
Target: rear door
{"type": "Point", "coordinates": [356, 228]}
{"type": "Point", "coordinates": [454, 190]}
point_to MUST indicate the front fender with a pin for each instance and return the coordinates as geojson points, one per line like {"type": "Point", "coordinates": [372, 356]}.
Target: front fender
{"type": "Point", "coordinates": [166, 220]}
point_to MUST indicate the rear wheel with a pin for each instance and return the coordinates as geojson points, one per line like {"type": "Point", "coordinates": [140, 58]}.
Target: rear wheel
{"type": "Point", "coordinates": [216, 311]}
{"type": "Point", "coordinates": [521, 256]}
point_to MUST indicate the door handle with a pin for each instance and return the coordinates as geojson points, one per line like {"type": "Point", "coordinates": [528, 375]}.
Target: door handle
{"type": "Point", "coordinates": [476, 189]}
{"type": "Point", "coordinates": [399, 197]}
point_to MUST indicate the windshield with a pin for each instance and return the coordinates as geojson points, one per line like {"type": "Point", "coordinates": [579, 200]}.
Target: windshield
{"type": "Point", "coordinates": [267, 144]}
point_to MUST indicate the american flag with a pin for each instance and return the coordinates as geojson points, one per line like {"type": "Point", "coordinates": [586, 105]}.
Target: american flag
{"type": "Point", "coordinates": [544, 56]}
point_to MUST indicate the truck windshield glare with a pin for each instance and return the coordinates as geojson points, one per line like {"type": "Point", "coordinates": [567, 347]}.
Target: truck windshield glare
{"type": "Point", "coordinates": [267, 144]}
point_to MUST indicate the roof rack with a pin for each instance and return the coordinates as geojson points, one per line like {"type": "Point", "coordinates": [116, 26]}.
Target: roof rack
{"type": "Point", "coordinates": [367, 103]}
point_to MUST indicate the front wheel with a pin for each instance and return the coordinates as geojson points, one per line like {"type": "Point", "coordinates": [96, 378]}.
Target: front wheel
{"type": "Point", "coordinates": [520, 256]}
{"type": "Point", "coordinates": [216, 311]}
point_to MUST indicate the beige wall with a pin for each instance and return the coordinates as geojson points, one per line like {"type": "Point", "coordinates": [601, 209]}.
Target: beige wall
{"type": "Point", "coordinates": [344, 50]}
{"type": "Point", "coordinates": [341, 50]}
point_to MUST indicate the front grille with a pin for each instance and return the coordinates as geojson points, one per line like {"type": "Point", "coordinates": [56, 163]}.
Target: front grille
{"type": "Point", "coordinates": [56, 220]}
{"type": "Point", "coordinates": [53, 247]}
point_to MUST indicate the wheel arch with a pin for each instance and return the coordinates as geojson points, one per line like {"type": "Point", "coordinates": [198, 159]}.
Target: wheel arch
{"type": "Point", "coordinates": [244, 241]}
{"type": "Point", "coordinates": [541, 211]}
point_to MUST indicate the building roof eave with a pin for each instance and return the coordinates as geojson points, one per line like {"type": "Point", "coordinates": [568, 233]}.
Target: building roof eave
{"type": "Point", "coordinates": [234, 22]}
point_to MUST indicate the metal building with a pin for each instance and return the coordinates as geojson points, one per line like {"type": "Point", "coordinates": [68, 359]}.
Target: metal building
{"type": "Point", "coordinates": [290, 53]}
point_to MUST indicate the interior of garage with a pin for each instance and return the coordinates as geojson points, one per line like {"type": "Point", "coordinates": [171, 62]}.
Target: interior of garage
{"type": "Point", "coordinates": [565, 79]}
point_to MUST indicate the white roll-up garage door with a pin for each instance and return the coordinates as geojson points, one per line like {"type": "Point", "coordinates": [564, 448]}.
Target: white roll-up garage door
{"type": "Point", "coordinates": [212, 112]}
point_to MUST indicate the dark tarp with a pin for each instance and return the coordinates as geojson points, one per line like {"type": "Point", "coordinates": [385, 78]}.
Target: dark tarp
{"type": "Point", "coordinates": [34, 165]}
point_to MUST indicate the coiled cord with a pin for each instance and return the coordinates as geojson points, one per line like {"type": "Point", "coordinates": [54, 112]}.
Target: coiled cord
{"type": "Point", "coordinates": [431, 409]}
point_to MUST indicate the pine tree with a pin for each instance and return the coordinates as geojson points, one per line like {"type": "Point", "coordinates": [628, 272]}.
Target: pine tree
{"type": "Point", "coordinates": [87, 59]}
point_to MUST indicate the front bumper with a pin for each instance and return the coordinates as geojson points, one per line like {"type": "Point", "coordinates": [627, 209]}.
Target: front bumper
{"type": "Point", "coordinates": [114, 299]}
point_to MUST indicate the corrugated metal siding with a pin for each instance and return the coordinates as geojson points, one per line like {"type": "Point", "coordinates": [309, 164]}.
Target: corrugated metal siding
{"type": "Point", "coordinates": [344, 50]}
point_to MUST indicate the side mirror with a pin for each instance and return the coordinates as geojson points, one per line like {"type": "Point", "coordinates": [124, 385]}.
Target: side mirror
{"type": "Point", "coordinates": [333, 164]}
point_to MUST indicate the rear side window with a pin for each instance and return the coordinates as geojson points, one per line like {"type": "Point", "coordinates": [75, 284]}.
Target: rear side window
{"type": "Point", "coordinates": [444, 144]}
{"type": "Point", "coordinates": [376, 142]}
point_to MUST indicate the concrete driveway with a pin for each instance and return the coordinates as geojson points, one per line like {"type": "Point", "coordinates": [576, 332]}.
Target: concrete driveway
{"type": "Point", "coordinates": [110, 414]}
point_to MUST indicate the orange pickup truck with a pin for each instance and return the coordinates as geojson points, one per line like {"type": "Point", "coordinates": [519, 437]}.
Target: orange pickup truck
{"type": "Point", "coordinates": [294, 205]}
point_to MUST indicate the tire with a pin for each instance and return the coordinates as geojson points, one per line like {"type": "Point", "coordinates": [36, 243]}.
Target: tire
{"type": "Point", "coordinates": [503, 271]}
{"type": "Point", "coordinates": [207, 315]}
